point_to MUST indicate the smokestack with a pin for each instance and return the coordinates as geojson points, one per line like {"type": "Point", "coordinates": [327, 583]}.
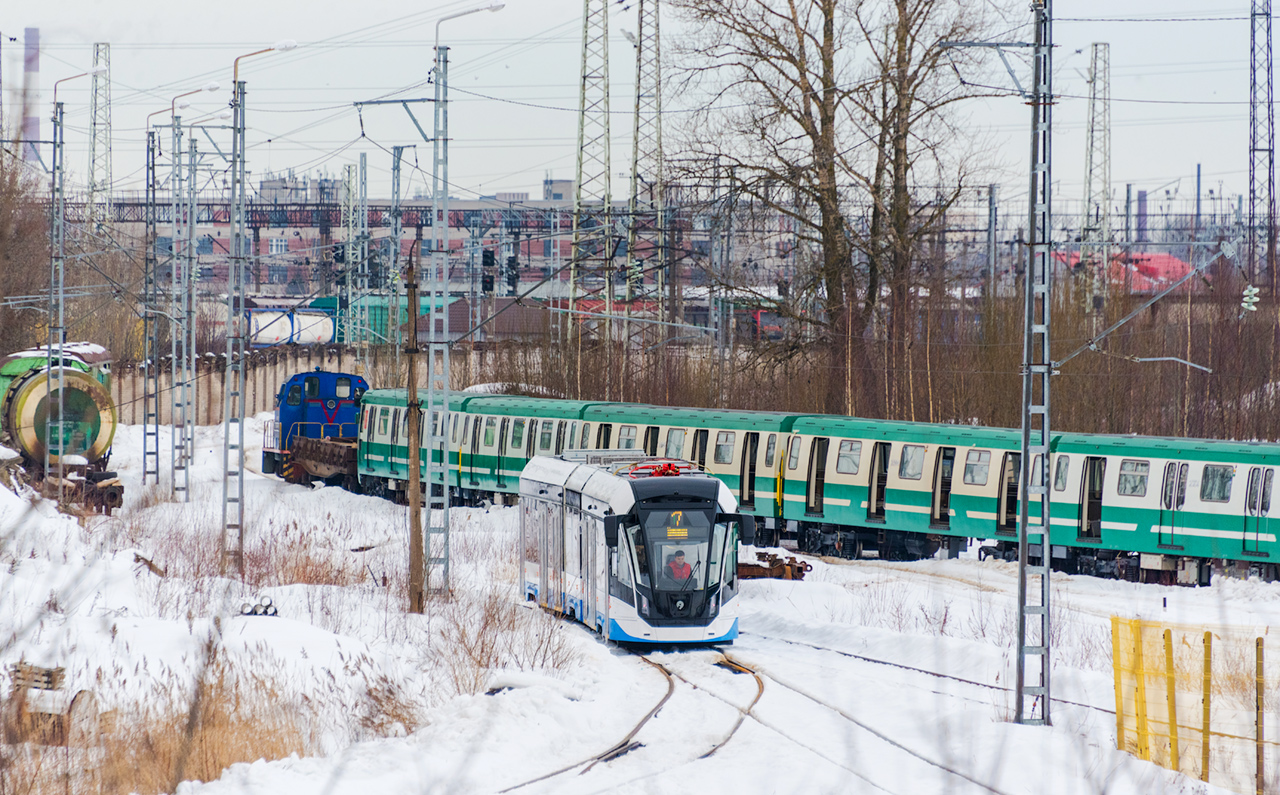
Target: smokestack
{"type": "Point", "coordinates": [31, 93]}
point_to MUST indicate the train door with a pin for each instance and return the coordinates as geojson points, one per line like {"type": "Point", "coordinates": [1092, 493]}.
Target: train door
{"type": "Point", "coordinates": [554, 561]}
{"type": "Point", "coordinates": [879, 478]}
{"type": "Point", "coordinates": [560, 437]}
{"type": "Point", "coordinates": [651, 440]}
{"type": "Point", "coordinates": [395, 442]}
{"type": "Point", "coordinates": [747, 489]}
{"type": "Point", "coordinates": [1173, 496]}
{"type": "Point", "coordinates": [530, 431]}
{"type": "Point", "coordinates": [817, 480]}
{"type": "Point", "coordinates": [1257, 509]}
{"type": "Point", "coordinates": [1095, 469]}
{"type": "Point", "coordinates": [475, 449]}
{"type": "Point", "coordinates": [700, 448]}
{"type": "Point", "coordinates": [541, 511]}
{"type": "Point", "coordinates": [1010, 476]}
{"type": "Point", "coordinates": [502, 453]}
{"type": "Point", "coordinates": [942, 472]}
{"type": "Point", "coordinates": [604, 435]}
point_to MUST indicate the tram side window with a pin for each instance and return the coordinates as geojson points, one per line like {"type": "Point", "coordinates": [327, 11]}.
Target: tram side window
{"type": "Point", "coordinates": [977, 465]}
{"type": "Point", "coordinates": [912, 465]}
{"type": "Point", "coordinates": [383, 417]}
{"type": "Point", "coordinates": [627, 437]}
{"type": "Point", "coordinates": [675, 442]}
{"type": "Point", "coordinates": [1060, 473]}
{"type": "Point", "coordinates": [489, 429]}
{"type": "Point", "coordinates": [724, 447]}
{"type": "Point", "coordinates": [793, 457]}
{"type": "Point", "coordinates": [313, 386]}
{"type": "Point", "coordinates": [1215, 484]}
{"type": "Point", "coordinates": [342, 390]}
{"type": "Point", "coordinates": [1133, 478]}
{"type": "Point", "coordinates": [848, 456]}
{"type": "Point", "coordinates": [517, 434]}
{"type": "Point", "coordinates": [770, 448]}
{"type": "Point", "coordinates": [295, 396]}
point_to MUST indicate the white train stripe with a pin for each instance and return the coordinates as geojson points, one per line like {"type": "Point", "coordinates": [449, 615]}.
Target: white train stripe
{"type": "Point", "coordinates": [908, 508]}
{"type": "Point", "coordinates": [1127, 526]}
{"type": "Point", "coordinates": [1201, 532]}
{"type": "Point", "coordinates": [981, 515]}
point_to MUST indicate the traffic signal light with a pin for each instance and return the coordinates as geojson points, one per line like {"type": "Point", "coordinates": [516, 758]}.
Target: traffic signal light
{"type": "Point", "coordinates": [488, 259]}
{"type": "Point", "coordinates": [513, 275]}
{"type": "Point", "coordinates": [486, 281]}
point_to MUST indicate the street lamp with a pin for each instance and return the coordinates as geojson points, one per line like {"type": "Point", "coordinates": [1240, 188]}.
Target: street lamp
{"type": "Point", "coordinates": [57, 294]}
{"type": "Point", "coordinates": [234, 389]}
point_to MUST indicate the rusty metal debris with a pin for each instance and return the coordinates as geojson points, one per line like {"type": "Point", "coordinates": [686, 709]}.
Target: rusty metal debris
{"type": "Point", "coordinates": [773, 567]}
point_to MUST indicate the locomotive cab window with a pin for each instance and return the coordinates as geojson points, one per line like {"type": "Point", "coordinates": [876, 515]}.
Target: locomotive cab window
{"type": "Point", "coordinates": [312, 384]}
{"type": "Point", "coordinates": [295, 396]}
{"type": "Point", "coordinates": [342, 390]}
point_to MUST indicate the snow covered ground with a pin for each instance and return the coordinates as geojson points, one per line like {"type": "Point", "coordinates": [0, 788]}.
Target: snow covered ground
{"type": "Point", "coordinates": [358, 697]}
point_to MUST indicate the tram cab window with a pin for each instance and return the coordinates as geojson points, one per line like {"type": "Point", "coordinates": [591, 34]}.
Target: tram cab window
{"type": "Point", "coordinates": [642, 552]}
{"type": "Point", "coordinates": [793, 457]}
{"type": "Point", "coordinates": [847, 457]}
{"type": "Point", "coordinates": [724, 447]}
{"type": "Point", "coordinates": [342, 390]}
{"type": "Point", "coordinates": [295, 396]}
{"type": "Point", "coordinates": [312, 384]}
{"type": "Point", "coordinates": [769, 449]}
{"type": "Point", "coordinates": [675, 442]}
{"type": "Point", "coordinates": [977, 465]}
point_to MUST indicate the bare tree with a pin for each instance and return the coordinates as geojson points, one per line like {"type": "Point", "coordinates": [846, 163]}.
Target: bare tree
{"type": "Point", "coordinates": [24, 253]}
{"type": "Point", "coordinates": [834, 114]}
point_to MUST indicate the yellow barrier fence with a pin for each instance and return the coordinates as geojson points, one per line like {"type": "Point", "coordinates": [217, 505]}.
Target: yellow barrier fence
{"type": "Point", "coordinates": [1197, 701]}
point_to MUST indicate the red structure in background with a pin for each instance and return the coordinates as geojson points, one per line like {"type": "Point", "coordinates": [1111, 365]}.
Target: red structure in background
{"type": "Point", "coordinates": [1144, 272]}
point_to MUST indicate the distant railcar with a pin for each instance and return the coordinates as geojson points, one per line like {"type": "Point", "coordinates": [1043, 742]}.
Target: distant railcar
{"type": "Point", "coordinates": [314, 433]}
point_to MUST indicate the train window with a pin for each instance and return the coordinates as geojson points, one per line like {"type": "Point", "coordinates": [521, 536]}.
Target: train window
{"type": "Point", "coordinates": [724, 447]}
{"type": "Point", "coordinates": [793, 457]}
{"type": "Point", "coordinates": [295, 396]}
{"type": "Point", "coordinates": [383, 417]}
{"type": "Point", "coordinates": [977, 464]}
{"type": "Point", "coordinates": [455, 427]}
{"type": "Point", "coordinates": [1215, 484]}
{"type": "Point", "coordinates": [847, 457]}
{"type": "Point", "coordinates": [517, 434]}
{"type": "Point", "coordinates": [342, 390]}
{"type": "Point", "coordinates": [544, 442]}
{"type": "Point", "coordinates": [586, 436]}
{"type": "Point", "coordinates": [1060, 473]}
{"type": "Point", "coordinates": [912, 465]}
{"type": "Point", "coordinates": [675, 442]}
{"type": "Point", "coordinates": [1037, 472]}
{"type": "Point", "coordinates": [573, 433]}
{"type": "Point", "coordinates": [312, 384]}
{"type": "Point", "coordinates": [466, 430]}
{"type": "Point", "coordinates": [490, 426]}
{"type": "Point", "coordinates": [627, 437]}
{"type": "Point", "coordinates": [1266, 491]}
{"type": "Point", "coordinates": [1133, 478]}
{"type": "Point", "coordinates": [769, 449]}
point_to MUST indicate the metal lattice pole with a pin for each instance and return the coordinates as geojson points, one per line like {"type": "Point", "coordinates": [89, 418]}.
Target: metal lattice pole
{"type": "Point", "coordinates": [1037, 369]}
{"type": "Point", "coordinates": [187, 311]}
{"type": "Point", "coordinates": [589, 268]}
{"type": "Point", "coordinates": [177, 334]}
{"type": "Point", "coordinates": [362, 267]}
{"type": "Point", "coordinates": [151, 327]}
{"type": "Point", "coordinates": [394, 321]}
{"type": "Point", "coordinates": [233, 408]}
{"type": "Point", "coordinates": [1095, 213]}
{"type": "Point", "coordinates": [437, 297]}
{"type": "Point", "coordinates": [646, 223]}
{"type": "Point", "coordinates": [100, 140]}
{"type": "Point", "coordinates": [54, 429]}
{"type": "Point", "coordinates": [1262, 148]}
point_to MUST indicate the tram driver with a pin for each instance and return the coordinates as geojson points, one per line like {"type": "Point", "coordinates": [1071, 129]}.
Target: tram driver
{"type": "Point", "coordinates": [677, 569]}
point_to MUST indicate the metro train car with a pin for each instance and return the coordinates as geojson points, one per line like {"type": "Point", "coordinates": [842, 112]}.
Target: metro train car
{"type": "Point", "coordinates": [845, 485]}
{"type": "Point", "coordinates": [643, 550]}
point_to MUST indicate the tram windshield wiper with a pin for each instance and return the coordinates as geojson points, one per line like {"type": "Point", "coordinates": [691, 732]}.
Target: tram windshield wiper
{"type": "Point", "coordinates": [684, 585]}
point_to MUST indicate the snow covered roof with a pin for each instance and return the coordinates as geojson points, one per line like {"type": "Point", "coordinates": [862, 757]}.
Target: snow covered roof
{"type": "Point", "coordinates": [87, 352]}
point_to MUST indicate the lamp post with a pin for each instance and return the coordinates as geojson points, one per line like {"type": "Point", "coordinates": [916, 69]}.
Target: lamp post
{"type": "Point", "coordinates": [233, 390]}
{"type": "Point", "coordinates": [57, 295]}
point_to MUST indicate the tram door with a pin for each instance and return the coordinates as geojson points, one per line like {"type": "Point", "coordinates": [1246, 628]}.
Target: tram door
{"type": "Point", "coordinates": [1257, 508]}
{"type": "Point", "coordinates": [817, 480]}
{"type": "Point", "coordinates": [747, 489]}
{"type": "Point", "coordinates": [1010, 477]}
{"type": "Point", "coordinates": [502, 453]}
{"type": "Point", "coordinates": [942, 473]}
{"type": "Point", "coordinates": [879, 478]}
{"type": "Point", "coordinates": [700, 448]}
{"type": "Point", "coordinates": [1173, 495]}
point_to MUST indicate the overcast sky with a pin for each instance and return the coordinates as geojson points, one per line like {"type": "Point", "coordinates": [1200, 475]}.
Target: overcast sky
{"type": "Point", "coordinates": [1180, 88]}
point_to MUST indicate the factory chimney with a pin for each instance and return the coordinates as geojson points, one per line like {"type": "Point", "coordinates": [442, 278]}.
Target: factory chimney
{"type": "Point", "coordinates": [31, 94]}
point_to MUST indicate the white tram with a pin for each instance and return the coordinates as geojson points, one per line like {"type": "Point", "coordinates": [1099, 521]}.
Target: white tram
{"type": "Point", "coordinates": [640, 549]}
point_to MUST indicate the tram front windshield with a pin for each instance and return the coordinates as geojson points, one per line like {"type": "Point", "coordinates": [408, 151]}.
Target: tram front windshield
{"type": "Point", "coordinates": [677, 548]}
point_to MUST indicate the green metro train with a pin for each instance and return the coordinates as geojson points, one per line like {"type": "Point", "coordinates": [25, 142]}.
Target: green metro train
{"type": "Point", "coordinates": [1159, 509]}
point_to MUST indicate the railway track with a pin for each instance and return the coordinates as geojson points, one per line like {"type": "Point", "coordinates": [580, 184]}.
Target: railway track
{"type": "Point", "coordinates": [629, 742]}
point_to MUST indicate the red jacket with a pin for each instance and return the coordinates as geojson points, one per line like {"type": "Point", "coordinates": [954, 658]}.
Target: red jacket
{"type": "Point", "coordinates": [679, 571]}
